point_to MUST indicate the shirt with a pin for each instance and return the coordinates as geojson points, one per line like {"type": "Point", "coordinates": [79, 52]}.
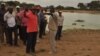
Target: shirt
{"type": "Point", "coordinates": [10, 19]}
{"type": "Point", "coordinates": [32, 24]}
{"type": "Point", "coordinates": [41, 17]}
{"type": "Point", "coordinates": [2, 12]}
{"type": "Point", "coordinates": [53, 22]}
{"type": "Point", "coordinates": [23, 18]}
{"type": "Point", "coordinates": [18, 18]}
{"type": "Point", "coordinates": [60, 20]}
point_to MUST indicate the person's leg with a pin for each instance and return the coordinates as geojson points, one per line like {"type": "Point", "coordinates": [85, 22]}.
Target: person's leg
{"type": "Point", "coordinates": [21, 33]}
{"type": "Point", "coordinates": [28, 45]}
{"type": "Point", "coordinates": [2, 34]}
{"type": "Point", "coordinates": [34, 38]}
{"type": "Point", "coordinates": [25, 35]}
{"type": "Point", "coordinates": [60, 31]}
{"type": "Point", "coordinates": [57, 33]}
{"type": "Point", "coordinates": [45, 24]}
{"type": "Point", "coordinates": [15, 36]}
{"type": "Point", "coordinates": [52, 41]}
{"type": "Point", "coordinates": [41, 31]}
{"type": "Point", "coordinates": [17, 28]}
{"type": "Point", "coordinates": [6, 35]}
{"type": "Point", "coordinates": [10, 39]}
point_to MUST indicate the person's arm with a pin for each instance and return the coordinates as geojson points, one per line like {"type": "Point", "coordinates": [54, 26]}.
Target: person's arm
{"type": "Point", "coordinates": [47, 13]}
{"type": "Point", "coordinates": [5, 20]}
{"type": "Point", "coordinates": [5, 17]}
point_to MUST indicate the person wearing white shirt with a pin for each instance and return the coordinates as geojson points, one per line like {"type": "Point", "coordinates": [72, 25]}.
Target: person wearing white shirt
{"type": "Point", "coordinates": [52, 25]}
{"type": "Point", "coordinates": [60, 25]}
{"type": "Point", "coordinates": [9, 18]}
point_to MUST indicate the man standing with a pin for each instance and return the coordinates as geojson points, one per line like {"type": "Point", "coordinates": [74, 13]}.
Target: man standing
{"type": "Point", "coordinates": [2, 24]}
{"type": "Point", "coordinates": [53, 24]}
{"type": "Point", "coordinates": [24, 20]}
{"type": "Point", "coordinates": [41, 23]}
{"type": "Point", "coordinates": [45, 22]}
{"type": "Point", "coordinates": [60, 25]}
{"type": "Point", "coordinates": [32, 29]}
{"type": "Point", "coordinates": [9, 17]}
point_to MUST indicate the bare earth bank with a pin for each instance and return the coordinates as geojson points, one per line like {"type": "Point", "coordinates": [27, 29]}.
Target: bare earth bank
{"type": "Point", "coordinates": [73, 43]}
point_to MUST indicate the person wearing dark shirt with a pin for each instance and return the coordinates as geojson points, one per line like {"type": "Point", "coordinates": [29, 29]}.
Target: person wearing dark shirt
{"type": "Point", "coordinates": [41, 23]}
{"type": "Point", "coordinates": [2, 23]}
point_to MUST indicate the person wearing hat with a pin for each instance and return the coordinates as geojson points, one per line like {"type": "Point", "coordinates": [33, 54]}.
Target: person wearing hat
{"type": "Point", "coordinates": [18, 19]}
{"type": "Point", "coordinates": [2, 23]}
{"type": "Point", "coordinates": [60, 25]}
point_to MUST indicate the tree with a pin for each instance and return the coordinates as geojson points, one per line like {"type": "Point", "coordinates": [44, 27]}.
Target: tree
{"type": "Point", "coordinates": [82, 6]}
{"type": "Point", "coordinates": [70, 8]}
{"type": "Point", "coordinates": [0, 2]}
{"type": "Point", "coordinates": [10, 3]}
{"type": "Point", "coordinates": [30, 5]}
{"type": "Point", "coordinates": [51, 6]}
{"type": "Point", "coordinates": [17, 3]}
{"type": "Point", "coordinates": [60, 7]}
{"type": "Point", "coordinates": [23, 4]}
{"type": "Point", "coordinates": [26, 5]}
{"type": "Point", "coordinates": [94, 5]}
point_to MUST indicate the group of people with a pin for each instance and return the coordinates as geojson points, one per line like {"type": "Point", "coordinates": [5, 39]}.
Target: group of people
{"type": "Point", "coordinates": [28, 23]}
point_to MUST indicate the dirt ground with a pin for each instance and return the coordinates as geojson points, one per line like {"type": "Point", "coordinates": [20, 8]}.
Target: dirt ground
{"type": "Point", "coordinates": [73, 43]}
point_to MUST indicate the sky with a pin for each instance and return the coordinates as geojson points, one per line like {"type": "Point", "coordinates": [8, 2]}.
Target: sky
{"type": "Point", "coordinates": [54, 2]}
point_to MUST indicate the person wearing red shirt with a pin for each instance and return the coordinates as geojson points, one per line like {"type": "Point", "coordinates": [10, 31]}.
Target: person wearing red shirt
{"type": "Point", "coordinates": [32, 29]}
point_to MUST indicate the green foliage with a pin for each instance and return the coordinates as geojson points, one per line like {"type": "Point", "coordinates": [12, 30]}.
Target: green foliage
{"type": "Point", "coordinates": [60, 7]}
{"type": "Point", "coordinates": [17, 3]}
{"type": "Point", "coordinates": [70, 8]}
{"type": "Point", "coordinates": [81, 6]}
{"type": "Point", "coordinates": [94, 5]}
{"type": "Point", "coordinates": [23, 4]}
{"type": "Point", "coordinates": [11, 3]}
{"type": "Point", "coordinates": [0, 2]}
{"type": "Point", "coordinates": [30, 5]}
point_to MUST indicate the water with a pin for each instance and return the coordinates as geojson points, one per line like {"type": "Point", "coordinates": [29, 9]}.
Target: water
{"type": "Point", "coordinates": [92, 21]}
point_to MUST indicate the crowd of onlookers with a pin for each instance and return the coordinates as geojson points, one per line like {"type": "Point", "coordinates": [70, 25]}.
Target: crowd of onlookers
{"type": "Point", "coordinates": [28, 23]}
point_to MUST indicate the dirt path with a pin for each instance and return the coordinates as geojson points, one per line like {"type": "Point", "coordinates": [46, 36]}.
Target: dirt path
{"type": "Point", "coordinates": [73, 43]}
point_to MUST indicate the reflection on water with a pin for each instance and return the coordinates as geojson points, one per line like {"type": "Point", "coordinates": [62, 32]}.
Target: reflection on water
{"type": "Point", "coordinates": [91, 21]}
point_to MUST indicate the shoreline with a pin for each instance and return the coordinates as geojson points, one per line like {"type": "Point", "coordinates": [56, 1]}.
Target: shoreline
{"type": "Point", "coordinates": [80, 30]}
{"type": "Point", "coordinates": [82, 11]}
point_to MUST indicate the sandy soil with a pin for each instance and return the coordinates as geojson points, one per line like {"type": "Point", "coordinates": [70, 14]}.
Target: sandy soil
{"type": "Point", "coordinates": [73, 43]}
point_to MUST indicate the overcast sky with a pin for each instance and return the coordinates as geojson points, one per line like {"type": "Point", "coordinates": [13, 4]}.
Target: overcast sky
{"type": "Point", "coordinates": [54, 2]}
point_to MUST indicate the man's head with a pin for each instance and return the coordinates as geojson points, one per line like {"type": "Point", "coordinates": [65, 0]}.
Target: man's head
{"type": "Point", "coordinates": [60, 13]}
{"type": "Point", "coordinates": [52, 9]}
{"type": "Point", "coordinates": [2, 5]}
{"type": "Point", "coordinates": [10, 10]}
{"type": "Point", "coordinates": [18, 8]}
{"type": "Point", "coordinates": [26, 8]}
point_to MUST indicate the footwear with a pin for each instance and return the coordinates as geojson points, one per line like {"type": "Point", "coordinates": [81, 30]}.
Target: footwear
{"type": "Point", "coordinates": [33, 54]}
{"type": "Point", "coordinates": [38, 41]}
{"type": "Point", "coordinates": [28, 54]}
